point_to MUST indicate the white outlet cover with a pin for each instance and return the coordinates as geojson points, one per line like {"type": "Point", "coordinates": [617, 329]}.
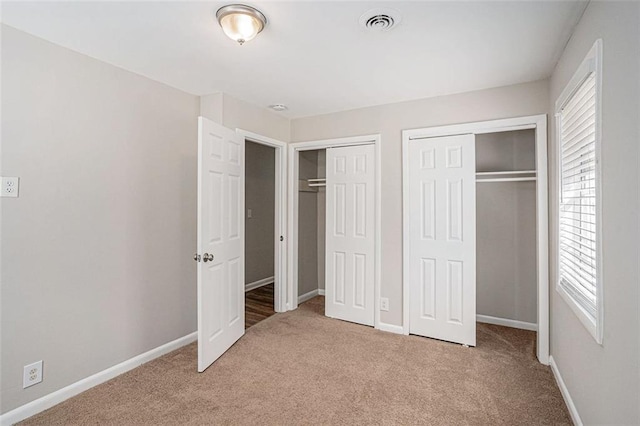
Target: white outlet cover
{"type": "Point", "coordinates": [10, 187]}
{"type": "Point", "coordinates": [32, 374]}
{"type": "Point", "coordinates": [384, 304]}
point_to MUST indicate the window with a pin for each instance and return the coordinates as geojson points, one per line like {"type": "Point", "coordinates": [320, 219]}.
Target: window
{"type": "Point", "coordinates": [579, 237]}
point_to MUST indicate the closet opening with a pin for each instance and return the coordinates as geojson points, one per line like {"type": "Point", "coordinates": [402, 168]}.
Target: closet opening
{"type": "Point", "coordinates": [334, 227]}
{"type": "Point", "coordinates": [311, 226]}
{"type": "Point", "coordinates": [506, 269]}
{"type": "Point", "coordinates": [475, 231]}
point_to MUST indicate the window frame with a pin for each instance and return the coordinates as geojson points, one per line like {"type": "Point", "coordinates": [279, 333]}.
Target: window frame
{"type": "Point", "coordinates": [592, 63]}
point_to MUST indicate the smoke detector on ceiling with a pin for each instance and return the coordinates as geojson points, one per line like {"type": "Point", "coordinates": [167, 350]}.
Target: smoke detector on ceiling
{"type": "Point", "coordinates": [380, 19]}
{"type": "Point", "coordinates": [278, 107]}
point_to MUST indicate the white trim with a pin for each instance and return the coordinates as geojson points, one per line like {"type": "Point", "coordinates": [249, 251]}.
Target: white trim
{"type": "Point", "coordinates": [258, 284]}
{"type": "Point", "coordinates": [406, 234]}
{"type": "Point", "coordinates": [505, 322]}
{"type": "Point", "coordinates": [280, 302]}
{"type": "Point", "coordinates": [491, 126]}
{"type": "Point", "coordinates": [591, 63]}
{"type": "Point", "coordinates": [330, 143]}
{"type": "Point", "coordinates": [294, 151]}
{"type": "Point", "coordinates": [310, 295]}
{"type": "Point", "coordinates": [542, 237]}
{"type": "Point", "coordinates": [573, 411]}
{"type": "Point", "coordinates": [539, 122]}
{"type": "Point", "coordinates": [34, 407]}
{"type": "Point", "coordinates": [321, 292]}
{"type": "Point", "coordinates": [390, 328]}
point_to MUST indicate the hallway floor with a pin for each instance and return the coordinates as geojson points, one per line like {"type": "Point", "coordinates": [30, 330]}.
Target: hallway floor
{"type": "Point", "coordinates": [258, 305]}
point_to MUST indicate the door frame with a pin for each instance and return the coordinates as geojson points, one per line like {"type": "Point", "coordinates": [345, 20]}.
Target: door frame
{"type": "Point", "coordinates": [280, 223]}
{"type": "Point", "coordinates": [294, 162]}
{"type": "Point", "coordinates": [537, 122]}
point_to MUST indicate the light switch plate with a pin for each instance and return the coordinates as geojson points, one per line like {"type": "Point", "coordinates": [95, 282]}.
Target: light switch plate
{"type": "Point", "coordinates": [10, 187]}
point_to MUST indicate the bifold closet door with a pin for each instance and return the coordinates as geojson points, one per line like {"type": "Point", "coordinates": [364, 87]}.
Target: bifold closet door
{"type": "Point", "coordinates": [441, 231]}
{"type": "Point", "coordinates": [350, 239]}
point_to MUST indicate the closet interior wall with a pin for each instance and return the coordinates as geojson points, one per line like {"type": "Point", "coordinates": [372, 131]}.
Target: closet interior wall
{"type": "Point", "coordinates": [506, 275]}
{"type": "Point", "coordinates": [311, 222]}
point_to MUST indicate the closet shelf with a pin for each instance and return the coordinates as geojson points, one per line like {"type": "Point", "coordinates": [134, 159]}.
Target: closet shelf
{"type": "Point", "coordinates": [508, 172]}
{"type": "Point", "coordinates": [521, 179]}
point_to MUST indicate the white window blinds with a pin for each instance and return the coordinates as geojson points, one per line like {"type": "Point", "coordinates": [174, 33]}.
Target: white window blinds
{"type": "Point", "coordinates": [578, 249]}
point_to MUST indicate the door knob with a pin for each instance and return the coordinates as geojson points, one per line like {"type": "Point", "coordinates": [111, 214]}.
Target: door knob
{"type": "Point", "coordinates": [196, 257]}
{"type": "Point", "coordinates": [207, 257]}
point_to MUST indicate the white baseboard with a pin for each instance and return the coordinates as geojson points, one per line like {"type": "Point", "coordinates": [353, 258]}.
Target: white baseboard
{"type": "Point", "coordinates": [507, 322]}
{"type": "Point", "coordinates": [34, 407]}
{"type": "Point", "coordinates": [258, 284]}
{"type": "Point", "coordinates": [391, 328]}
{"type": "Point", "coordinates": [307, 296]}
{"type": "Point", "coordinates": [565, 393]}
{"type": "Point", "coordinates": [310, 295]}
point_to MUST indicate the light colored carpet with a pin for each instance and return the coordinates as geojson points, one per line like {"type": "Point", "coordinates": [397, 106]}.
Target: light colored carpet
{"type": "Point", "coordinates": [303, 368]}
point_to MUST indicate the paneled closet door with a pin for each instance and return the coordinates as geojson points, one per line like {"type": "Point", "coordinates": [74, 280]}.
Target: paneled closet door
{"type": "Point", "coordinates": [350, 238]}
{"type": "Point", "coordinates": [442, 260]}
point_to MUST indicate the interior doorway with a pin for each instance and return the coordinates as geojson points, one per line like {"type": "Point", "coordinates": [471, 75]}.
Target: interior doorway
{"type": "Point", "coordinates": [264, 224]}
{"type": "Point", "coordinates": [259, 220]}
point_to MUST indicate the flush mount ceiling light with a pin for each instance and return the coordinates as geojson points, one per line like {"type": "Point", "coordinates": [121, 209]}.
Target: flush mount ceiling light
{"type": "Point", "coordinates": [241, 23]}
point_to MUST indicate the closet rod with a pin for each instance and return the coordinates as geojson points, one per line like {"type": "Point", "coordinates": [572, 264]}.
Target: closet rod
{"type": "Point", "coordinates": [317, 182]}
{"type": "Point", "coordinates": [524, 179]}
{"type": "Point", "coordinates": [507, 172]}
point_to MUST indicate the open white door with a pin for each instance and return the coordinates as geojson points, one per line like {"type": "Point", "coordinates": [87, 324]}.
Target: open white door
{"type": "Point", "coordinates": [442, 219]}
{"type": "Point", "coordinates": [220, 240]}
{"type": "Point", "coordinates": [350, 234]}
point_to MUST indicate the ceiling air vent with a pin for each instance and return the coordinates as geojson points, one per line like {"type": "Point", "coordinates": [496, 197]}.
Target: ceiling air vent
{"type": "Point", "coordinates": [380, 19]}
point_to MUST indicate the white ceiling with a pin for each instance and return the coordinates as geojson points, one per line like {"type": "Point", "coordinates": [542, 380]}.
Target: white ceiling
{"type": "Point", "coordinates": [313, 56]}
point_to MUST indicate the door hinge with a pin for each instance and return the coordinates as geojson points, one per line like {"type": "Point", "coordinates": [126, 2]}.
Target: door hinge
{"type": "Point", "coordinates": [281, 238]}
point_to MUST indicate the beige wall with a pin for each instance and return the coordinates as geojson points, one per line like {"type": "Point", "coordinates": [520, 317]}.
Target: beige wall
{"type": "Point", "coordinates": [260, 198]}
{"type": "Point", "coordinates": [96, 251]}
{"type": "Point", "coordinates": [604, 380]}
{"type": "Point", "coordinates": [236, 114]}
{"type": "Point", "coordinates": [389, 121]}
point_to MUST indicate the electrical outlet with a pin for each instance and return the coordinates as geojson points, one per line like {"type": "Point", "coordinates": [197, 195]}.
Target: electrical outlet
{"type": "Point", "coordinates": [32, 374]}
{"type": "Point", "coordinates": [249, 213]}
{"type": "Point", "coordinates": [10, 186]}
{"type": "Point", "coordinates": [384, 304]}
